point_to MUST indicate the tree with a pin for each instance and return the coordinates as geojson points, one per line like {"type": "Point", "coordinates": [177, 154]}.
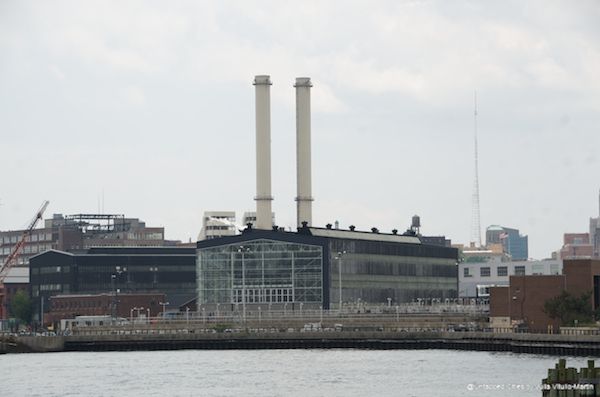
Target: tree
{"type": "Point", "coordinates": [21, 307]}
{"type": "Point", "coordinates": [570, 309]}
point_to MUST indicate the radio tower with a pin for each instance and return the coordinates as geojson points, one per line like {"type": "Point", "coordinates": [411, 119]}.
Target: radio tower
{"type": "Point", "coordinates": [475, 222]}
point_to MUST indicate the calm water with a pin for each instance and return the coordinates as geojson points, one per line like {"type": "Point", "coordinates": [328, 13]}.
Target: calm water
{"type": "Point", "coordinates": [276, 373]}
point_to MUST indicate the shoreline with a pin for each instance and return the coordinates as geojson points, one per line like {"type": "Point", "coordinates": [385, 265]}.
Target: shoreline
{"type": "Point", "coordinates": [547, 344]}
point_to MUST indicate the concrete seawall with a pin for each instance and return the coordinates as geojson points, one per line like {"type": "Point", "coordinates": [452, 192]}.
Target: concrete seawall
{"type": "Point", "coordinates": [479, 341]}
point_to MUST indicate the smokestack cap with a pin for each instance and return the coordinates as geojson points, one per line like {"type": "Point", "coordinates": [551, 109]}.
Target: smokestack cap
{"type": "Point", "coordinates": [262, 79]}
{"type": "Point", "coordinates": [302, 82]}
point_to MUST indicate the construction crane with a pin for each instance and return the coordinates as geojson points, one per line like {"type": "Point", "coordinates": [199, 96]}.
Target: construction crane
{"type": "Point", "coordinates": [11, 260]}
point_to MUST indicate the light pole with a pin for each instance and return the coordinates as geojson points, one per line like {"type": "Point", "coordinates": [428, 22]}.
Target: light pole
{"type": "Point", "coordinates": [243, 250]}
{"type": "Point", "coordinates": [113, 306]}
{"type": "Point", "coordinates": [339, 258]}
{"type": "Point", "coordinates": [389, 300]}
{"type": "Point", "coordinates": [113, 280]}
{"type": "Point", "coordinates": [148, 317]}
{"type": "Point", "coordinates": [301, 304]}
{"type": "Point", "coordinates": [187, 315]}
{"type": "Point", "coordinates": [321, 309]}
{"type": "Point", "coordinates": [154, 271]}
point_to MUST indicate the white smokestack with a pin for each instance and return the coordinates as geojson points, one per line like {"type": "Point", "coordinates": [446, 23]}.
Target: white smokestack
{"type": "Point", "coordinates": [303, 162]}
{"type": "Point", "coordinates": [263, 152]}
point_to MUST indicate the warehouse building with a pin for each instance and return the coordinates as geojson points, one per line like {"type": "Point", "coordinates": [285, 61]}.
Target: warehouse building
{"type": "Point", "coordinates": [124, 270]}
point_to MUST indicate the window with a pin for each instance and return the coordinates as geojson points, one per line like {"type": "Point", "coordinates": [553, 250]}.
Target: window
{"type": "Point", "coordinates": [502, 271]}
{"type": "Point", "coordinates": [484, 272]}
{"type": "Point", "coordinates": [554, 268]}
{"type": "Point", "coordinates": [537, 269]}
{"type": "Point", "coordinates": [466, 272]}
{"type": "Point", "coordinates": [519, 270]}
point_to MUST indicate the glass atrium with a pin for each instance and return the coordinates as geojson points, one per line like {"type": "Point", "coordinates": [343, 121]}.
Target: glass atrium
{"type": "Point", "coordinates": [260, 271]}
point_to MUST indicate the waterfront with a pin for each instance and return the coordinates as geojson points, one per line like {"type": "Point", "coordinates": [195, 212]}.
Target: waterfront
{"type": "Point", "coordinates": [277, 373]}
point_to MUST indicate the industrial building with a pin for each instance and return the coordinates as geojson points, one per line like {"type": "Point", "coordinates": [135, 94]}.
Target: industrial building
{"type": "Point", "coordinates": [321, 267]}
{"type": "Point", "coordinates": [81, 231]}
{"type": "Point", "coordinates": [267, 268]}
{"type": "Point", "coordinates": [167, 270]}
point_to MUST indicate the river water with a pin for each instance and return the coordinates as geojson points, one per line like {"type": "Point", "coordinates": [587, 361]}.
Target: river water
{"type": "Point", "coordinates": [276, 373]}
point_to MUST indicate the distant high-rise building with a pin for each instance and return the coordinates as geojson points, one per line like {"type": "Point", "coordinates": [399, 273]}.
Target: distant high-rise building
{"type": "Point", "coordinates": [513, 243]}
{"type": "Point", "coordinates": [595, 236]}
{"type": "Point", "coordinates": [576, 245]}
{"type": "Point", "coordinates": [595, 233]}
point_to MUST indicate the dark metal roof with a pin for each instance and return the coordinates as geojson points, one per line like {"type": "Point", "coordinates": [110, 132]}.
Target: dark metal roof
{"type": "Point", "coordinates": [370, 246]}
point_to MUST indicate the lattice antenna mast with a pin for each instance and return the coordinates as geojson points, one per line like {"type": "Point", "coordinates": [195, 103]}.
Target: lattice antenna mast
{"type": "Point", "coordinates": [475, 215]}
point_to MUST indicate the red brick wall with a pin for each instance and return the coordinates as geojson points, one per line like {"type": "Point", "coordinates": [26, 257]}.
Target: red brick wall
{"type": "Point", "coordinates": [527, 296]}
{"type": "Point", "coordinates": [70, 306]}
{"type": "Point", "coordinates": [499, 302]}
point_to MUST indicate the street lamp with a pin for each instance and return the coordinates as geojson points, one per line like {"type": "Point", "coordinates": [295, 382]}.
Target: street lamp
{"type": "Point", "coordinates": [243, 250]}
{"type": "Point", "coordinates": [113, 280]}
{"type": "Point", "coordinates": [339, 258]}
{"type": "Point", "coordinates": [154, 271]}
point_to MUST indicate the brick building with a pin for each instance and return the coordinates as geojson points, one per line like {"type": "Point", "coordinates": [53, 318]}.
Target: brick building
{"type": "Point", "coordinates": [522, 301]}
{"type": "Point", "coordinates": [71, 306]}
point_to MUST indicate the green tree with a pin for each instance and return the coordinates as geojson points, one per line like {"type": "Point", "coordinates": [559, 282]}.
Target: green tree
{"type": "Point", "coordinates": [570, 309]}
{"type": "Point", "coordinates": [21, 307]}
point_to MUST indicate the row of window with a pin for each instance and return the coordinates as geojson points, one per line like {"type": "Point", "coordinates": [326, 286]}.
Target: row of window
{"type": "Point", "coordinates": [501, 271]}
{"type": "Point", "coordinates": [74, 304]}
{"type": "Point", "coordinates": [262, 295]}
{"type": "Point", "coordinates": [34, 237]}
{"type": "Point", "coordinates": [28, 249]}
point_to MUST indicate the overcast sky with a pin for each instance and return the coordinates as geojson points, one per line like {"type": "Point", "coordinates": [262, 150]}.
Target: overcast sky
{"type": "Point", "coordinates": [152, 103]}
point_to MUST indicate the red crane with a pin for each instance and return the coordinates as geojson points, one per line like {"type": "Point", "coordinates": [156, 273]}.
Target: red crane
{"type": "Point", "coordinates": [11, 260]}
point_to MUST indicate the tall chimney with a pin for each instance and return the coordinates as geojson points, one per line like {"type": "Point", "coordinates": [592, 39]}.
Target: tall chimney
{"type": "Point", "coordinates": [303, 165]}
{"type": "Point", "coordinates": [263, 152]}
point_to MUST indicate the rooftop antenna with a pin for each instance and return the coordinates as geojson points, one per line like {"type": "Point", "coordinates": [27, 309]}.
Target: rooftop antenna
{"type": "Point", "coordinates": [475, 215]}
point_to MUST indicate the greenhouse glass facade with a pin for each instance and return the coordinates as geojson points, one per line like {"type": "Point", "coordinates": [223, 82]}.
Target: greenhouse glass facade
{"type": "Point", "coordinates": [260, 271]}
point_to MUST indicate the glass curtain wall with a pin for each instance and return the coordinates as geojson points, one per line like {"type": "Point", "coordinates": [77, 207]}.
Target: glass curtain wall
{"type": "Point", "coordinates": [260, 271]}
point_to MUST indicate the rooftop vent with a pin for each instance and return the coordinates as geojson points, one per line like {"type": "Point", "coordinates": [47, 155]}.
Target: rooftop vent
{"type": "Point", "coordinates": [328, 226]}
{"type": "Point", "coordinates": [352, 227]}
{"type": "Point", "coordinates": [374, 230]}
{"type": "Point", "coordinates": [394, 231]}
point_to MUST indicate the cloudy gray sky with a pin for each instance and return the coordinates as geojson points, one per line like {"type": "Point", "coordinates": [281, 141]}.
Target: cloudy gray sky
{"type": "Point", "coordinates": [152, 103]}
